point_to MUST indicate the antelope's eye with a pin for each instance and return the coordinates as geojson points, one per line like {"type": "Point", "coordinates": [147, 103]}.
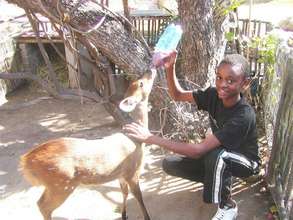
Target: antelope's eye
{"type": "Point", "coordinates": [141, 84]}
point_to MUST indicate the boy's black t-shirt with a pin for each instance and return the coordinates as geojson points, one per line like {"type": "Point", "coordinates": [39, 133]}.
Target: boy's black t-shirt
{"type": "Point", "coordinates": [234, 127]}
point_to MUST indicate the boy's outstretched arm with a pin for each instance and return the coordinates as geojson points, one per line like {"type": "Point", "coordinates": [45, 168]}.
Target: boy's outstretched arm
{"type": "Point", "coordinates": [142, 134]}
{"type": "Point", "coordinates": [175, 90]}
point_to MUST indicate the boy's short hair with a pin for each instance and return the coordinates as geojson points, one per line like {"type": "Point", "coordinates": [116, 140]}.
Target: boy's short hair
{"type": "Point", "coordinates": [235, 59]}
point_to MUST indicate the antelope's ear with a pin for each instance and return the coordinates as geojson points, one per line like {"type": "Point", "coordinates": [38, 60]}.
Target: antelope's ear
{"type": "Point", "coordinates": [128, 104]}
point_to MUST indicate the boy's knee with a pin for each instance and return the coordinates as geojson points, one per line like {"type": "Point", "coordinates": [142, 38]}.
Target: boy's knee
{"type": "Point", "coordinates": [213, 159]}
{"type": "Point", "coordinates": [165, 165]}
{"type": "Point", "coordinates": [213, 155]}
{"type": "Point", "coordinates": [169, 164]}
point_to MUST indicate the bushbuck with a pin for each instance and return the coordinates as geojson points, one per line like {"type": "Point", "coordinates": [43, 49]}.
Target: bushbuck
{"type": "Point", "coordinates": [60, 165]}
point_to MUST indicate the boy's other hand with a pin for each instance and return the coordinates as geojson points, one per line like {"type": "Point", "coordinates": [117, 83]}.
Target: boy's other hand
{"type": "Point", "coordinates": [137, 132]}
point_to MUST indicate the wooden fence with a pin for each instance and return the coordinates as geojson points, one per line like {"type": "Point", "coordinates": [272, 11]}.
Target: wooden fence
{"type": "Point", "coordinates": [151, 26]}
{"type": "Point", "coordinates": [278, 111]}
{"type": "Point", "coordinates": [246, 31]}
{"type": "Point", "coordinates": [254, 27]}
{"type": "Point", "coordinates": [249, 30]}
{"type": "Point", "coordinates": [279, 120]}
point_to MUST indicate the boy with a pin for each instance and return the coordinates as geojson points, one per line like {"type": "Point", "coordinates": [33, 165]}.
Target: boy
{"type": "Point", "coordinates": [231, 150]}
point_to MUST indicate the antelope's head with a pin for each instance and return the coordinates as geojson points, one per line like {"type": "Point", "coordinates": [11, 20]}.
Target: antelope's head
{"type": "Point", "coordinates": [137, 92]}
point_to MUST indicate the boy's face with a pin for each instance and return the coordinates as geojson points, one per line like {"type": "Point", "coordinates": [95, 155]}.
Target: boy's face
{"type": "Point", "coordinates": [229, 81]}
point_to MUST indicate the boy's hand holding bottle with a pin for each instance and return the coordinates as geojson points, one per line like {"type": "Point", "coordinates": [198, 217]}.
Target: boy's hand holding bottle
{"type": "Point", "coordinates": [165, 49]}
{"type": "Point", "coordinates": [170, 59]}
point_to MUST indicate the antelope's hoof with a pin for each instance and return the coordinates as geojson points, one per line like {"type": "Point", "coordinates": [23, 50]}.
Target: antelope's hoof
{"type": "Point", "coordinates": [124, 216]}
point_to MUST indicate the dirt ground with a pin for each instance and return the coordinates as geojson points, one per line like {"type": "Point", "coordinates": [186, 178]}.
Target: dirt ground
{"type": "Point", "coordinates": [165, 197]}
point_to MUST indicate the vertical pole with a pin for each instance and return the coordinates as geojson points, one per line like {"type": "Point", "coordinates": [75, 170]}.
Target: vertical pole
{"type": "Point", "coordinates": [249, 21]}
{"type": "Point", "coordinates": [72, 68]}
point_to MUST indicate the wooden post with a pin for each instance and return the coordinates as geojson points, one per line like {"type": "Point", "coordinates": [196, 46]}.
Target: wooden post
{"type": "Point", "coordinates": [248, 32]}
{"type": "Point", "coordinates": [72, 68]}
{"type": "Point", "coordinates": [24, 58]}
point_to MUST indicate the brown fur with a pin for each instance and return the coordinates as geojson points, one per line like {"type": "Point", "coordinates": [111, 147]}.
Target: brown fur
{"type": "Point", "coordinates": [38, 160]}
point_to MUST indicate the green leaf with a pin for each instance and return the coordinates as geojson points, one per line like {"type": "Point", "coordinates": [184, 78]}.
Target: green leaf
{"type": "Point", "coordinates": [229, 36]}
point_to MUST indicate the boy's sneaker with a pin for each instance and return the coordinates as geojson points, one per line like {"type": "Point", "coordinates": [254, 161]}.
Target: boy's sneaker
{"type": "Point", "coordinates": [226, 213]}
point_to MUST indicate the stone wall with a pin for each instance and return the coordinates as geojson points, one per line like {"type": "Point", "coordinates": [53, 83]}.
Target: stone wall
{"type": "Point", "coordinates": [10, 61]}
{"type": "Point", "coordinates": [10, 57]}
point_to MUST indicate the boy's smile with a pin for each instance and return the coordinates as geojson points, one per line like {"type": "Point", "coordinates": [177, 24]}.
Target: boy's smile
{"type": "Point", "coordinates": [229, 82]}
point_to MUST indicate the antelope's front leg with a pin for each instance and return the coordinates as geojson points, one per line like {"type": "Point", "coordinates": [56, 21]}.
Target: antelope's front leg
{"type": "Point", "coordinates": [124, 189]}
{"type": "Point", "coordinates": [135, 189]}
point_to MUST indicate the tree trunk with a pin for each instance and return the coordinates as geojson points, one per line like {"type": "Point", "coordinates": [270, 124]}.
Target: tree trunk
{"type": "Point", "coordinates": [203, 42]}
{"type": "Point", "coordinates": [202, 47]}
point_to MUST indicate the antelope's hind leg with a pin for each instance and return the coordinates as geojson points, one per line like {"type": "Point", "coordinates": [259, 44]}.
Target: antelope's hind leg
{"type": "Point", "coordinates": [51, 199]}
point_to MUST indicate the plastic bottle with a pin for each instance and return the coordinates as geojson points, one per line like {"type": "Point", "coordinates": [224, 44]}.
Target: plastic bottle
{"type": "Point", "coordinates": [166, 44]}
